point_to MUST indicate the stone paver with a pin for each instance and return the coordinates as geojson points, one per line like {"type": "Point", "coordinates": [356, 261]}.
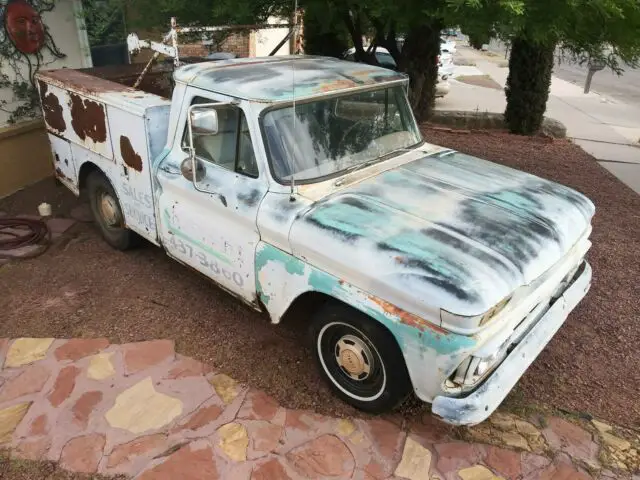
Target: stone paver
{"type": "Point", "coordinates": [141, 408]}
{"type": "Point", "coordinates": [27, 350]}
{"type": "Point", "coordinates": [142, 411]}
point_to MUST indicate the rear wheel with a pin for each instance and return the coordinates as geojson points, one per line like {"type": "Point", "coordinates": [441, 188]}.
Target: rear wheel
{"type": "Point", "coordinates": [108, 214]}
{"type": "Point", "coordinates": [359, 359]}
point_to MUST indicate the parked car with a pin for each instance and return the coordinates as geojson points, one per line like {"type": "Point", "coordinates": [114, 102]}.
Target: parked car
{"type": "Point", "coordinates": [447, 46]}
{"type": "Point", "coordinates": [416, 267]}
{"type": "Point", "coordinates": [386, 60]}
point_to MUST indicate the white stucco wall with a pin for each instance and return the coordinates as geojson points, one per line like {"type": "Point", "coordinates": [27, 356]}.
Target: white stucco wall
{"type": "Point", "coordinates": [66, 28]}
{"type": "Point", "coordinates": [268, 38]}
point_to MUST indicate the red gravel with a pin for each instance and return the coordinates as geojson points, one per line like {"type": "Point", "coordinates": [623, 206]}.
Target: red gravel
{"type": "Point", "coordinates": [81, 287]}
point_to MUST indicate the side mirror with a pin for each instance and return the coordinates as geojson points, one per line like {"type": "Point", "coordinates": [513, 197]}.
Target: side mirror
{"type": "Point", "coordinates": [204, 122]}
{"type": "Point", "coordinates": [186, 168]}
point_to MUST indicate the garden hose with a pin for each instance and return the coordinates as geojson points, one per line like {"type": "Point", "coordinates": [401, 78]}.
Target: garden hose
{"type": "Point", "coordinates": [18, 232]}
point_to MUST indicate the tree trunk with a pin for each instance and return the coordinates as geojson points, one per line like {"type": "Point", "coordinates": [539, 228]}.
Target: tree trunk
{"type": "Point", "coordinates": [527, 91]}
{"type": "Point", "coordinates": [419, 59]}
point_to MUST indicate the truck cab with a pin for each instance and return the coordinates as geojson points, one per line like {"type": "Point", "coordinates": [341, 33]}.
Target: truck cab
{"type": "Point", "coordinates": [294, 181]}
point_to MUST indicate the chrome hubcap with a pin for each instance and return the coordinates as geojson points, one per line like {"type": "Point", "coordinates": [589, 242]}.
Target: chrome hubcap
{"type": "Point", "coordinates": [354, 357]}
{"type": "Point", "coordinates": [109, 210]}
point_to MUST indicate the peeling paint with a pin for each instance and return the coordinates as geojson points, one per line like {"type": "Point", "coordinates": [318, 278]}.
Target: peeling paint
{"type": "Point", "coordinates": [88, 118]}
{"type": "Point", "coordinates": [51, 108]}
{"type": "Point", "coordinates": [269, 80]}
{"type": "Point", "coordinates": [407, 318]}
{"type": "Point", "coordinates": [129, 155]}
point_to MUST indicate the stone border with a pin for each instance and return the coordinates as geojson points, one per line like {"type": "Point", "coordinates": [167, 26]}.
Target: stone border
{"type": "Point", "coordinates": [144, 411]}
{"type": "Point", "coordinates": [490, 120]}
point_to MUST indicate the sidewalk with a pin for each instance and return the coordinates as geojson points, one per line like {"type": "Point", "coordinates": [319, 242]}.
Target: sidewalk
{"type": "Point", "coordinates": [143, 411]}
{"type": "Point", "coordinates": [606, 129]}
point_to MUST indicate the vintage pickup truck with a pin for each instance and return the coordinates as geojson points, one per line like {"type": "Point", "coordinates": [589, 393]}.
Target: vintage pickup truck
{"type": "Point", "coordinates": [416, 267]}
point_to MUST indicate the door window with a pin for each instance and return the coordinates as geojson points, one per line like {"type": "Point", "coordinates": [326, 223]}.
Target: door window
{"type": "Point", "coordinates": [231, 147]}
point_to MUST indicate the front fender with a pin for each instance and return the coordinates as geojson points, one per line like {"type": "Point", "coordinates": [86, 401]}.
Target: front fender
{"type": "Point", "coordinates": [430, 352]}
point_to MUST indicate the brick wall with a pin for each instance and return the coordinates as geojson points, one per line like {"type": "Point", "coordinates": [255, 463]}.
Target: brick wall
{"type": "Point", "coordinates": [193, 50]}
{"type": "Point", "coordinates": [237, 43]}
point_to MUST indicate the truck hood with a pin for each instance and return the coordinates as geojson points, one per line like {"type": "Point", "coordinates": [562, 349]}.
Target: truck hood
{"type": "Point", "coordinates": [446, 231]}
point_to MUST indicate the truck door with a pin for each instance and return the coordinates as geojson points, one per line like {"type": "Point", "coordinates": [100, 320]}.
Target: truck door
{"type": "Point", "coordinates": [210, 223]}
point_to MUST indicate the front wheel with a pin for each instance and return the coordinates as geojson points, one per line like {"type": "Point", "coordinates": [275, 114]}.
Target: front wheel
{"type": "Point", "coordinates": [359, 359]}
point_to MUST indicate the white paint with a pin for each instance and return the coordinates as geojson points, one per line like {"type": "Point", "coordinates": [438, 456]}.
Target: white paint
{"type": "Point", "coordinates": [268, 38]}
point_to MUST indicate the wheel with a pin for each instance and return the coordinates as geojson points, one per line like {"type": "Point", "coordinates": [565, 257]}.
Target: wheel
{"type": "Point", "coordinates": [359, 359]}
{"type": "Point", "coordinates": [108, 213]}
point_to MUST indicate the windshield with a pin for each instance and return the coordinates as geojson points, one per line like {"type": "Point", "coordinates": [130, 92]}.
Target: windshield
{"type": "Point", "coordinates": [335, 135]}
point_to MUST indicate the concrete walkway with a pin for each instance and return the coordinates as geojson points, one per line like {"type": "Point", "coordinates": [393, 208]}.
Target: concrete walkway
{"type": "Point", "coordinates": [607, 129]}
{"type": "Point", "coordinates": [143, 411]}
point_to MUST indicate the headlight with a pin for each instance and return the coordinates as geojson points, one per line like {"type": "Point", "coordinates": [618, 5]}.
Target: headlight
{"type": "Point", "coordinates": [475, 368]}
{"type": "Point", "coordinates": [448, 318]}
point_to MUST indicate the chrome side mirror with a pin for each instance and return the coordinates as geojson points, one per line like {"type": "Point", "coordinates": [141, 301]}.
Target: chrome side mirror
{"type": "Point", "coordinates": [186, 168]}
{"type": "Point", "coordinates": [204, 121]}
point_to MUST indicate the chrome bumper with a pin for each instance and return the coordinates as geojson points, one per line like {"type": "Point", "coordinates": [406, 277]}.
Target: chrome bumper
{"type": "Point", "coordinates": [481, 403]}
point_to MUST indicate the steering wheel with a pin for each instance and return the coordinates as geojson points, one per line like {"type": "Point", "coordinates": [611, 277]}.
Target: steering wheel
{"type": "Point", "coordinates": [352, 128]}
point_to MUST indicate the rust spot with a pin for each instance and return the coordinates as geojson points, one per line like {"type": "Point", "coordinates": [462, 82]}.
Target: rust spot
{"type": "Point", "coordinates": [51, 108]}
{"type": "Point", "coordinates": [60, 174]}
{"type": "Point", "coordinates": [129, 155]}
{"type": "Point", "coordinates": [336, 85]}
{"type": "Point", "coordinates": [88, 119]}
{"type": "Point", "coordinates": [408, 318]}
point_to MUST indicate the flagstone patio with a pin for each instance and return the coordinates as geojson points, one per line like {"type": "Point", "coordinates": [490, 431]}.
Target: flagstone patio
{"type": "Point", "coordinates": [144, 411]}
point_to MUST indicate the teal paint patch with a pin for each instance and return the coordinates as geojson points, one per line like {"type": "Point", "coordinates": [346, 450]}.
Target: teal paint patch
{"type": "Point", "coordinates": [510, 198]}
{"type": "Point", "coordinates": [267, 253]}
{"type": "Point", "coordinates": [352, 217]}
{"type": "Point", "coordinates": [322, 282]}
{"type": "Point", "coordinates": [178, 233]}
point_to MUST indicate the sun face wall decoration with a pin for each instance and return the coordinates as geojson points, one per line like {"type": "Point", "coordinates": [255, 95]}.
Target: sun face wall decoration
{"type": "Point", "coordinates": [26, 45]}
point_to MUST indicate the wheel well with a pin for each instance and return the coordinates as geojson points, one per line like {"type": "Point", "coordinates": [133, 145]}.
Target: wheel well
{"type": "Point", "coordinates": [305, 305]}
{"type": "Point", "coordinates": [308, 303]}
{"type": "Point", "coordinates": [85, 170]}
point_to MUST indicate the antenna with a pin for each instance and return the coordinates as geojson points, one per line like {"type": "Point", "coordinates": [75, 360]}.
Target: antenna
{"type": "Point", "coordinates": [292, 198]}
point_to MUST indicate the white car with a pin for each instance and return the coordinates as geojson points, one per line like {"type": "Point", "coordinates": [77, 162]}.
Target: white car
{"type": "Point", "coordinates": [385, 59]}
{"type": "Point", "coordinates": [447, 46]}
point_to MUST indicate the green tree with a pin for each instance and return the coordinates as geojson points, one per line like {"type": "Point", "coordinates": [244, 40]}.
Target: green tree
{"type": "Point", "coordinates": [604, 30]}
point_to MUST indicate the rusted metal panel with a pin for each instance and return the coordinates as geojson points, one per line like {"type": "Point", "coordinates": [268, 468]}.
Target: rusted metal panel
{"type": "Point", "coordinates": [51, 109]}
{"type": "Point", "coordinates": [77, 118]}
{"type": "Point", "coordinates": [63, 160]}
{"type": "Point", "coordinates": [81, 81]}
{"type": "Point", "coordinates": [270, 79]}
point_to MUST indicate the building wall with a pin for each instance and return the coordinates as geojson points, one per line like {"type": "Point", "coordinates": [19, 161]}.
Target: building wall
{"type": "Point", "coordinates": [267, 39]}
{"type": "Point", "coordinates": [25, 156]}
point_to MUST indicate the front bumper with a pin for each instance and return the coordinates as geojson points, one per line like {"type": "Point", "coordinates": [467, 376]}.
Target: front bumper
{"type": "Point", "coordinates": [481, 403]}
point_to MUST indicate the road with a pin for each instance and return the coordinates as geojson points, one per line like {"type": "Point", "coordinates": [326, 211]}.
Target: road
{"type": "Point", "coordinates": [624, 88]}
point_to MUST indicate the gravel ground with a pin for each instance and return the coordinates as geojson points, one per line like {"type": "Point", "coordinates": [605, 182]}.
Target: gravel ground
{"type": "Point", "coordinates": [81, 287]}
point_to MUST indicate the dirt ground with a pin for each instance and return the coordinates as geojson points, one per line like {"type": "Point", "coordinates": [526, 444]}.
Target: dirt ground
{"type": "Point", "coordinates": [81, 287]}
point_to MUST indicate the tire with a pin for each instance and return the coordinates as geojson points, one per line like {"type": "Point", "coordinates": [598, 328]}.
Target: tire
{"type": "Point", "coordinates": [102, 197]}
{"type": "Point", "coordinates": [359, 359]}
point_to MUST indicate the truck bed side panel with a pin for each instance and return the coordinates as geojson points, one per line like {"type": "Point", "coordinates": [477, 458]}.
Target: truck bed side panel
{"type": "Point", "coordinates": [116, 128]}
{"type": "Point", "coordinates": [77, 118]}
{"type": "Point", "coordinates": [132, 159]}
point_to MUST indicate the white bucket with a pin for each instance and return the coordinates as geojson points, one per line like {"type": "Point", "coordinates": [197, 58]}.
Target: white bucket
{"type": "Point", "coordinates": [44, 209]}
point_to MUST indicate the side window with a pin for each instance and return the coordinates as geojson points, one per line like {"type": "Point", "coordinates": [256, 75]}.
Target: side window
{"type": "Point", "coordinates": [231, 147]}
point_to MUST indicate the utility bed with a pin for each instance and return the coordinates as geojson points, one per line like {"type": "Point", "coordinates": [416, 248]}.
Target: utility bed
{"type": "Point", "coordinates": [94, 117]}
